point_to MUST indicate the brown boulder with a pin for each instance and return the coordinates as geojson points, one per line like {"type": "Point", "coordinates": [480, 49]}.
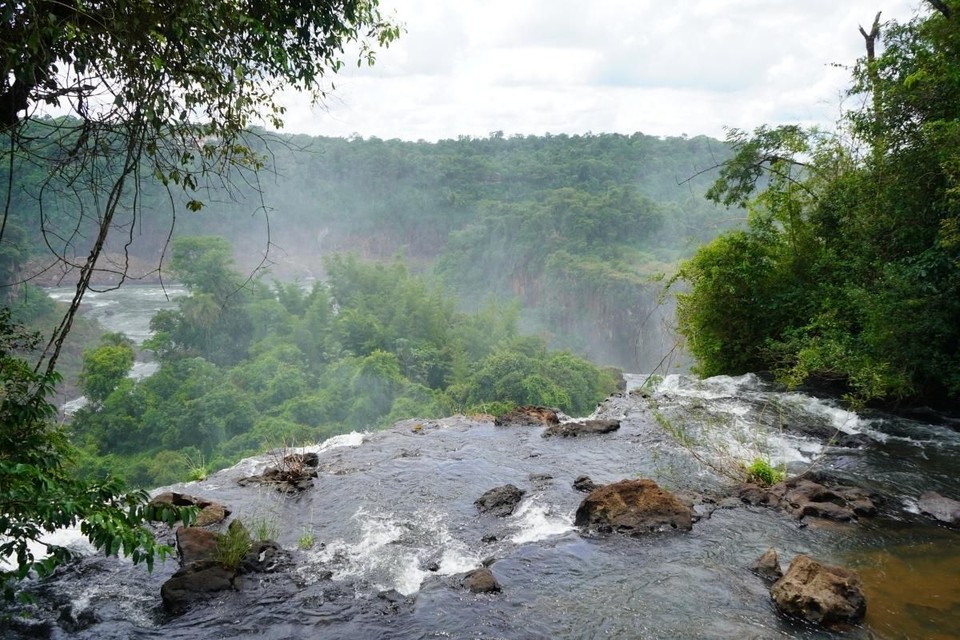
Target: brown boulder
{"type": "Point", "coordinates": [481, 581]}
{"type": "Point", "coordinates": [819, 593]}
{"type": "Point", "coordinates": [210, 512]}
{"type": "Point", "coordinates": [768, 566]}
{"type": "Point", "coordinates": [195, 545]}
{"type": "Point", "coordinates": [633, 507]}
{"type": "Point", "coordinates": [528, 416]}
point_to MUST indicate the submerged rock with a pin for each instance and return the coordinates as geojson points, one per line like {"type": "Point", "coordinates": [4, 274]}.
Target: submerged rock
{"type": "Point", "coordinates": [819, 593]}
{"type": "Point", "coordinates": [585, 428]}
{"type": "Point", "coordinates": [941, 508]}
{"type": "Point", "coordinates": [500, 501]}
{"type": "Point", "coordinates": [528, 416]}
{"type": "Point", "coordinates": [633, 507]}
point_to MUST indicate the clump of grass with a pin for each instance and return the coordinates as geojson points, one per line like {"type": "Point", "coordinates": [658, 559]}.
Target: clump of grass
{"type": "Point", "coordinates": [197, 470]}
{"type": "Point", "coordinates": [232, 546]}
{"type": "Point", "coordinates": [763, 473]}
{"type": "Point", "coordinates": [263, 528]}
{"type": "Point", "coordinates": [306, 540]}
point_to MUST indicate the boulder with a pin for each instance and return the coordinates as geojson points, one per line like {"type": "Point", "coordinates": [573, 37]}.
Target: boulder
{"type": "Point", "coordinates": [481, 581]}
{"type": "Point", "coordinates": [194, 583]}
{"type": "Point", "coordinates": [266, 556]}
{"type": "Point", "coordinates": [528, 416]}
{"type": "Point", "coordinates": [802, 497]}
{"type": "Point", "coordinates": [585, 428]}
{"type": "Point", "coordinates": [500, 501]}
{"type": "Point", "coordinates": [819, 593]}
{"type": "Point", "coordinates": [941, 508]}
{"type": "Point", "coordinates": [195, 545]}
{"type": "Point", "coordinates": [633, 507]}
{"type": "Point", "coordinates": [585, 484]}
{"type": "Point", "coordinates": [767, 566]}
{"type": "Point", "coordinates": [210, 512]}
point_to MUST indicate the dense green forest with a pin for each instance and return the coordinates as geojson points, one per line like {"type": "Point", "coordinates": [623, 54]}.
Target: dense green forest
{"type": "Point", "coordinates": [574, 227]}
{"type": "Point", "coordinates": [248, 366]}
{"type": "Point", "coordinates": [849, 270]}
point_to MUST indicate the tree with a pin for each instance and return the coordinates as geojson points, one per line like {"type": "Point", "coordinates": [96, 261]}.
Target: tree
{"type": "Point", "coordinates": [849, 268]}
{"type": "Point", "coordinates": [104, 368]}
{"type": "Point", "coordinates": [154, 89]}
{"type": "Point", "coordinates": [40, 493]}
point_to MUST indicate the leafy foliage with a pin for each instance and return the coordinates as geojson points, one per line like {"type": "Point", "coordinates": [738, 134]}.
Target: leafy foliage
{"type": "Point", "coordinates": [40, 490]}
{"type": "Point", "coordinates": [849, 270]}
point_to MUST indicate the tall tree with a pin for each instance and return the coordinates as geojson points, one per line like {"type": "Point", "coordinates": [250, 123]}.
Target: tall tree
{"type": "Point", "coordinates": [163, 89]}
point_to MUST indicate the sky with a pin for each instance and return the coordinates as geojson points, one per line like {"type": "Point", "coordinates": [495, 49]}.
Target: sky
{"type": "Point", "coordinates": [658, 67]}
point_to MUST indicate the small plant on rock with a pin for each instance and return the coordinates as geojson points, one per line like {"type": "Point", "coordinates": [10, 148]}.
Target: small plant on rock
{"type": "Point", "coordinates": [264, 528]}
{"type": "Point", "coordinates": [232, 546]}
{"type": "Point", "coordinates": [763, 473]}
{"type": "Point", "coordinates": [306, 540]}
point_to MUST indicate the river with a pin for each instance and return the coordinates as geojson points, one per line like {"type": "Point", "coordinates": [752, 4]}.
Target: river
{"type": "Point", "coordinates": [394, 521]}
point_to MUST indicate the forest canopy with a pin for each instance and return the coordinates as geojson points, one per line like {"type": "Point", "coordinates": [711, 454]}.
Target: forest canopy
{"type": "Point", "coordinates": [849, 269]}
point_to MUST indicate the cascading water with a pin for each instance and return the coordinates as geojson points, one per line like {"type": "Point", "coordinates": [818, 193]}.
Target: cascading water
{"type": "Point", "coordinates": [395, 524]}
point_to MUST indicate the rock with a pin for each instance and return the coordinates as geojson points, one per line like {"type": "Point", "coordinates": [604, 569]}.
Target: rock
{"type": "Point", "coordinates": [585, 428]}
{"type": "Point", "coordinates": [211, 512]}
{"type": "Point", "coordinates": [528, 416]}
{"type": "Point", "coordinates": [73, 621]}
{"type": "Point", "coordinates": [803, 497]}
{"type": "Point", "coordinates": [767, 566]}
{"type": "Point", "coordinates": [193, 583]}
{"type": "Point", "coordinates": [266, 556]}
{"type": "Point", "coordinates": [941, 508]}
{"type": "Point", "coordinates": [481, 581]}
{"type": "Point", "coordinates": [585, 484]}
{"type": "Point", "coordinates": [500, 501]}
{"type": "Point", "coordinates": [633, 507]}
{"type": "Point", "coordinates": [819, 593]}
{"type": "Point", "coordinates": [195, 545]}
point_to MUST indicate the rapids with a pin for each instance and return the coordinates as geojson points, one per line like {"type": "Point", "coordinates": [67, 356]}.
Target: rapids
{"type": "Point", "coordinates": [393, 517]}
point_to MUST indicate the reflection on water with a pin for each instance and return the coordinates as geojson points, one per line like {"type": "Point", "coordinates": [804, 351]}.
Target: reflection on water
{"type": "Point", "coordinates": [912, 583]}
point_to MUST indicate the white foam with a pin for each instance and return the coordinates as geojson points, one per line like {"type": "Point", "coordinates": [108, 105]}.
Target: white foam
{"type": "Point", "coordinates": [538, 522]}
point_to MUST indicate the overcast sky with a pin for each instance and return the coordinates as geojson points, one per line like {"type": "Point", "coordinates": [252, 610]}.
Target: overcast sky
{"type": "Point", "coordinates": [660, 67]}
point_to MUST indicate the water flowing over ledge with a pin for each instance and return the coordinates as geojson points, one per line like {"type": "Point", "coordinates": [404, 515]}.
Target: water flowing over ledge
{"type": "Point", "coordinates": [392, 513]}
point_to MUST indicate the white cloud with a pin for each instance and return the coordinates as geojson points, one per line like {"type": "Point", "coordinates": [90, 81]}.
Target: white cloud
{"type": "Point", "coordinates": [470, 67]}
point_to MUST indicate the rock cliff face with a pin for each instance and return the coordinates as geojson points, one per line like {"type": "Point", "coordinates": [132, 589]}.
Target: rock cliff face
{"type": "Point", "coordinates": [633, 507]}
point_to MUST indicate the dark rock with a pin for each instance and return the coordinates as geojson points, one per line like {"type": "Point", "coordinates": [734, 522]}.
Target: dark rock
{"type": "Point", "coordinates": [72, 621]}
{"type": "Point", "coordinates": [481, 581]}
{"type": "Point", "coordinates": [489, 538]}
{"type": "Point", "coordinates": [633, 507]}
{"type": "Point", "coordinates": [194, 583]}
{"type": "Point", "coordinates": [767, 566]}
{"type": "Point", "coordinates": [195, 545]}
{"type": "Point", "coordinates": [819, 593]}
{"type": "Point", "coordinates": [432, 567]}
{"type": "Point", "coordinates": [941, 508]}
{"type": "Point", "coordinates": [540, 479]}
{"type": "Point", "coordinates": [528, 416]}
{"type": "Point", "coordinates": [585, 428]}
{"type": "Point", "coordinates": [585, 484]}
{"type": "Point", "coordinates": [266, 556]}
{"type": "Point", "coordinates": [500, 501]}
